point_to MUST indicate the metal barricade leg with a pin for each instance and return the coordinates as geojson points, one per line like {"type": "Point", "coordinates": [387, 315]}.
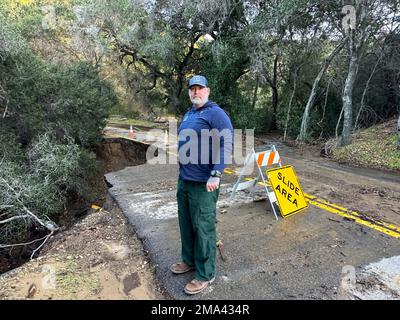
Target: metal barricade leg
{"type": "Point", "coordinates": [266, 190]}
{"type": "Point", "coordinates": [246, 162]}
{"type": "Point", "coordinates": [253, 188]}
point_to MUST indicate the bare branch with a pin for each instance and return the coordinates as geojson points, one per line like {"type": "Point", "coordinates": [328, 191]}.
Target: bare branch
{"type": "Point", "coordinates": [47, 238]}
{"type": "Point", "coordinates": [2, 246]}
{"type": "Point", "coordinates": [14, 218]}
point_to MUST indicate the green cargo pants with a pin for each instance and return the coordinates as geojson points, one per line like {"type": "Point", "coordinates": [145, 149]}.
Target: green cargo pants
{"type": "Point", "coordinates": [197, 218]}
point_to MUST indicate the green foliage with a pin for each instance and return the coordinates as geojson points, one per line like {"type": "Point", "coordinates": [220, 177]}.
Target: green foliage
{"type": "Point", "coordinates": [223, 64]}
{"type": "Point", "coordinates": [82, 105]}
{"type": "Point", "coordinates": [70, 101]}
{"type": "Point", "coordinates": [55, 162]}
{"type": "Point", "coordinates": [54, 116]}
{"type": "Point", "coordinates": [258, 119]}
{"type": "Point", "coordinates": [21, 191]}
{"type": "Point", "coordinates": [121, 110]}
{"type": "Point", "coordinates": [11, 42]}
{"type": "Point", "coordinates": [53, 171]}
{"type": "Point", "coordinates": [10, 148]}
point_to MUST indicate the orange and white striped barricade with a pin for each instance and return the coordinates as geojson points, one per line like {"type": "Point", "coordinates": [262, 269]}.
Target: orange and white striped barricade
{"type": "Point", "coordinates": [131, 133]}
{"type": "Point", "coordinates": [261, 159]}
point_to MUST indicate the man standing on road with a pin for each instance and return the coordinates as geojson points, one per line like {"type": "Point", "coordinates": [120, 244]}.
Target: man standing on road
{"type": "Point", "coordinates": [205, 147]}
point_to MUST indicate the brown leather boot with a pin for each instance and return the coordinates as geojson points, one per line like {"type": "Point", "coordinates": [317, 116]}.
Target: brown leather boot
{"type": "Point", "coordinates": [180, 267]}
{"type": "Point", "coordinates": [196, 286]}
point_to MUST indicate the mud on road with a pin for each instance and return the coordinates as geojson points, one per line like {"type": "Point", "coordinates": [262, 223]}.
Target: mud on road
{"type": "Point", "coordinates": [371, 192]}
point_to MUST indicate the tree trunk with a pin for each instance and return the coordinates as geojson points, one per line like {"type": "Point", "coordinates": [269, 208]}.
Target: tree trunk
{"type": "Point", "coordinates": [272, 81]}
{"type": "Point", "coordinates": [324, 109]}
{"type": "Point", "coordinates": [173, 104]}
{"type": "Point", "coordinates": [290, 105]}
{"type": "Point", "coordinates": [306, 115]}
{"type": "Point", "coordinates": [275, 98]}
{"type": "Point", "coordinates": [348, 102]}
{"type": "Point", "coordinates": [338, 123]}
{"type": "Point", "coordinates": [5, 112]}
{"type": "Point", "coordinates": [357, 38]}
{"type": "Point", "coordinates": [347, 96]}
{"type": "Point", "coordinates": [255, 94]}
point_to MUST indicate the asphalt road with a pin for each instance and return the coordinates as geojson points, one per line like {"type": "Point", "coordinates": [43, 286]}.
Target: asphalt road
{"type": "Point", "coordinates": [305, 256]}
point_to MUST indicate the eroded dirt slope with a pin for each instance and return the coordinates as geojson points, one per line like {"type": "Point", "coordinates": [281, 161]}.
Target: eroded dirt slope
{"type": "Point", "coordinates": [100, 257]}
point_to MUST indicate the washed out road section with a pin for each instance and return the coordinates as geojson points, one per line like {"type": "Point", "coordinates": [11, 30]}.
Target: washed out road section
{"type": "Point", "coordinates": [300, 257]}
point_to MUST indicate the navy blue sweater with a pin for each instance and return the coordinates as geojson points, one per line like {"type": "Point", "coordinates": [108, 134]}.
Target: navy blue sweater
{"type": "Point", "coordinates": [201, 150]}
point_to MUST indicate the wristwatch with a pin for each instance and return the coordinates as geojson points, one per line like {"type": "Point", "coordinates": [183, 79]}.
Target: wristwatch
{"type": "Point", "coordinates": [216, 173]}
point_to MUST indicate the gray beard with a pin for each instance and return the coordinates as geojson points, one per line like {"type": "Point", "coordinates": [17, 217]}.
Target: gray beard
{"type": "Point", "coordinates": [198, 101]}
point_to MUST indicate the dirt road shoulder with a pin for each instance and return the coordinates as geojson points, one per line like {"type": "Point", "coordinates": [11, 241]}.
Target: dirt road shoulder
{"type": "Point", "coordinates": [100, 257]}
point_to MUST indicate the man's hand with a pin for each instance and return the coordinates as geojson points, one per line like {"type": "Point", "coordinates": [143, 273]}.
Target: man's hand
{"type": "Point", "coordinates": [213, 183]}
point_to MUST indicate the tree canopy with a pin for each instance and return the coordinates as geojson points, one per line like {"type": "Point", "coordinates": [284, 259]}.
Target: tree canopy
{"type": "Point", "coordinates": [310, 69]}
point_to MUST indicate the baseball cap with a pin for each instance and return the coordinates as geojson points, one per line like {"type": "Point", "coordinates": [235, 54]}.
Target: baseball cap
{"type": "Point", "coordinates": [198, 80]}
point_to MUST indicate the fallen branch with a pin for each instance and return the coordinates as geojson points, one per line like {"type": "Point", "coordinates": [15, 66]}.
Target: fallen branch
{"type": "Point", "coordinates": [14, 218]}
{"type": "Point", "coordinates": [47, 237]}
{"type": "Point", "coordinates": [49, 225]}
{"type": "Point", "coordinates": [2, 246]}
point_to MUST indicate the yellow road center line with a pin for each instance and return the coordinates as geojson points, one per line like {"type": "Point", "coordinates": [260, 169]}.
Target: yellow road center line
{"type": "Point", "coordinates": [358, 220]}
{"type": "Point", "coordinates": [387, 228]}
{"type": "Point", "coordinates": [336, 206]}
{"type": "Point", "coordinates": [358, 215]}
{"type": "Point", "coordinates": [309, 196]}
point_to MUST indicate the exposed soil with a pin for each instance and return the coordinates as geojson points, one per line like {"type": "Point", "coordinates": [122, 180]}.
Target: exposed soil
{"type": "Point", "coordinates": [116, 153]}
{"type": "Point", "coordinates": [100, 257]}
{"type": "Point", "coordinates": [96, 255]}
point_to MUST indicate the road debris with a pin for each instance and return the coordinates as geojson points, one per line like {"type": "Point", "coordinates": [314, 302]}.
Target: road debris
{"type": "Point", "coordinates": [220, 246]}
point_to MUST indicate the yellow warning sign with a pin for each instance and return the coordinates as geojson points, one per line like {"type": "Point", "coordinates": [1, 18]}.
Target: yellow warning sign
{"type": "Point", "coordinates": [287, 190]}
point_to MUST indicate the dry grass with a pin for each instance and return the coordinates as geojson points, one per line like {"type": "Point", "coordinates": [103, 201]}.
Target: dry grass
{"type": "Point", "coordinates": [375, 147]}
